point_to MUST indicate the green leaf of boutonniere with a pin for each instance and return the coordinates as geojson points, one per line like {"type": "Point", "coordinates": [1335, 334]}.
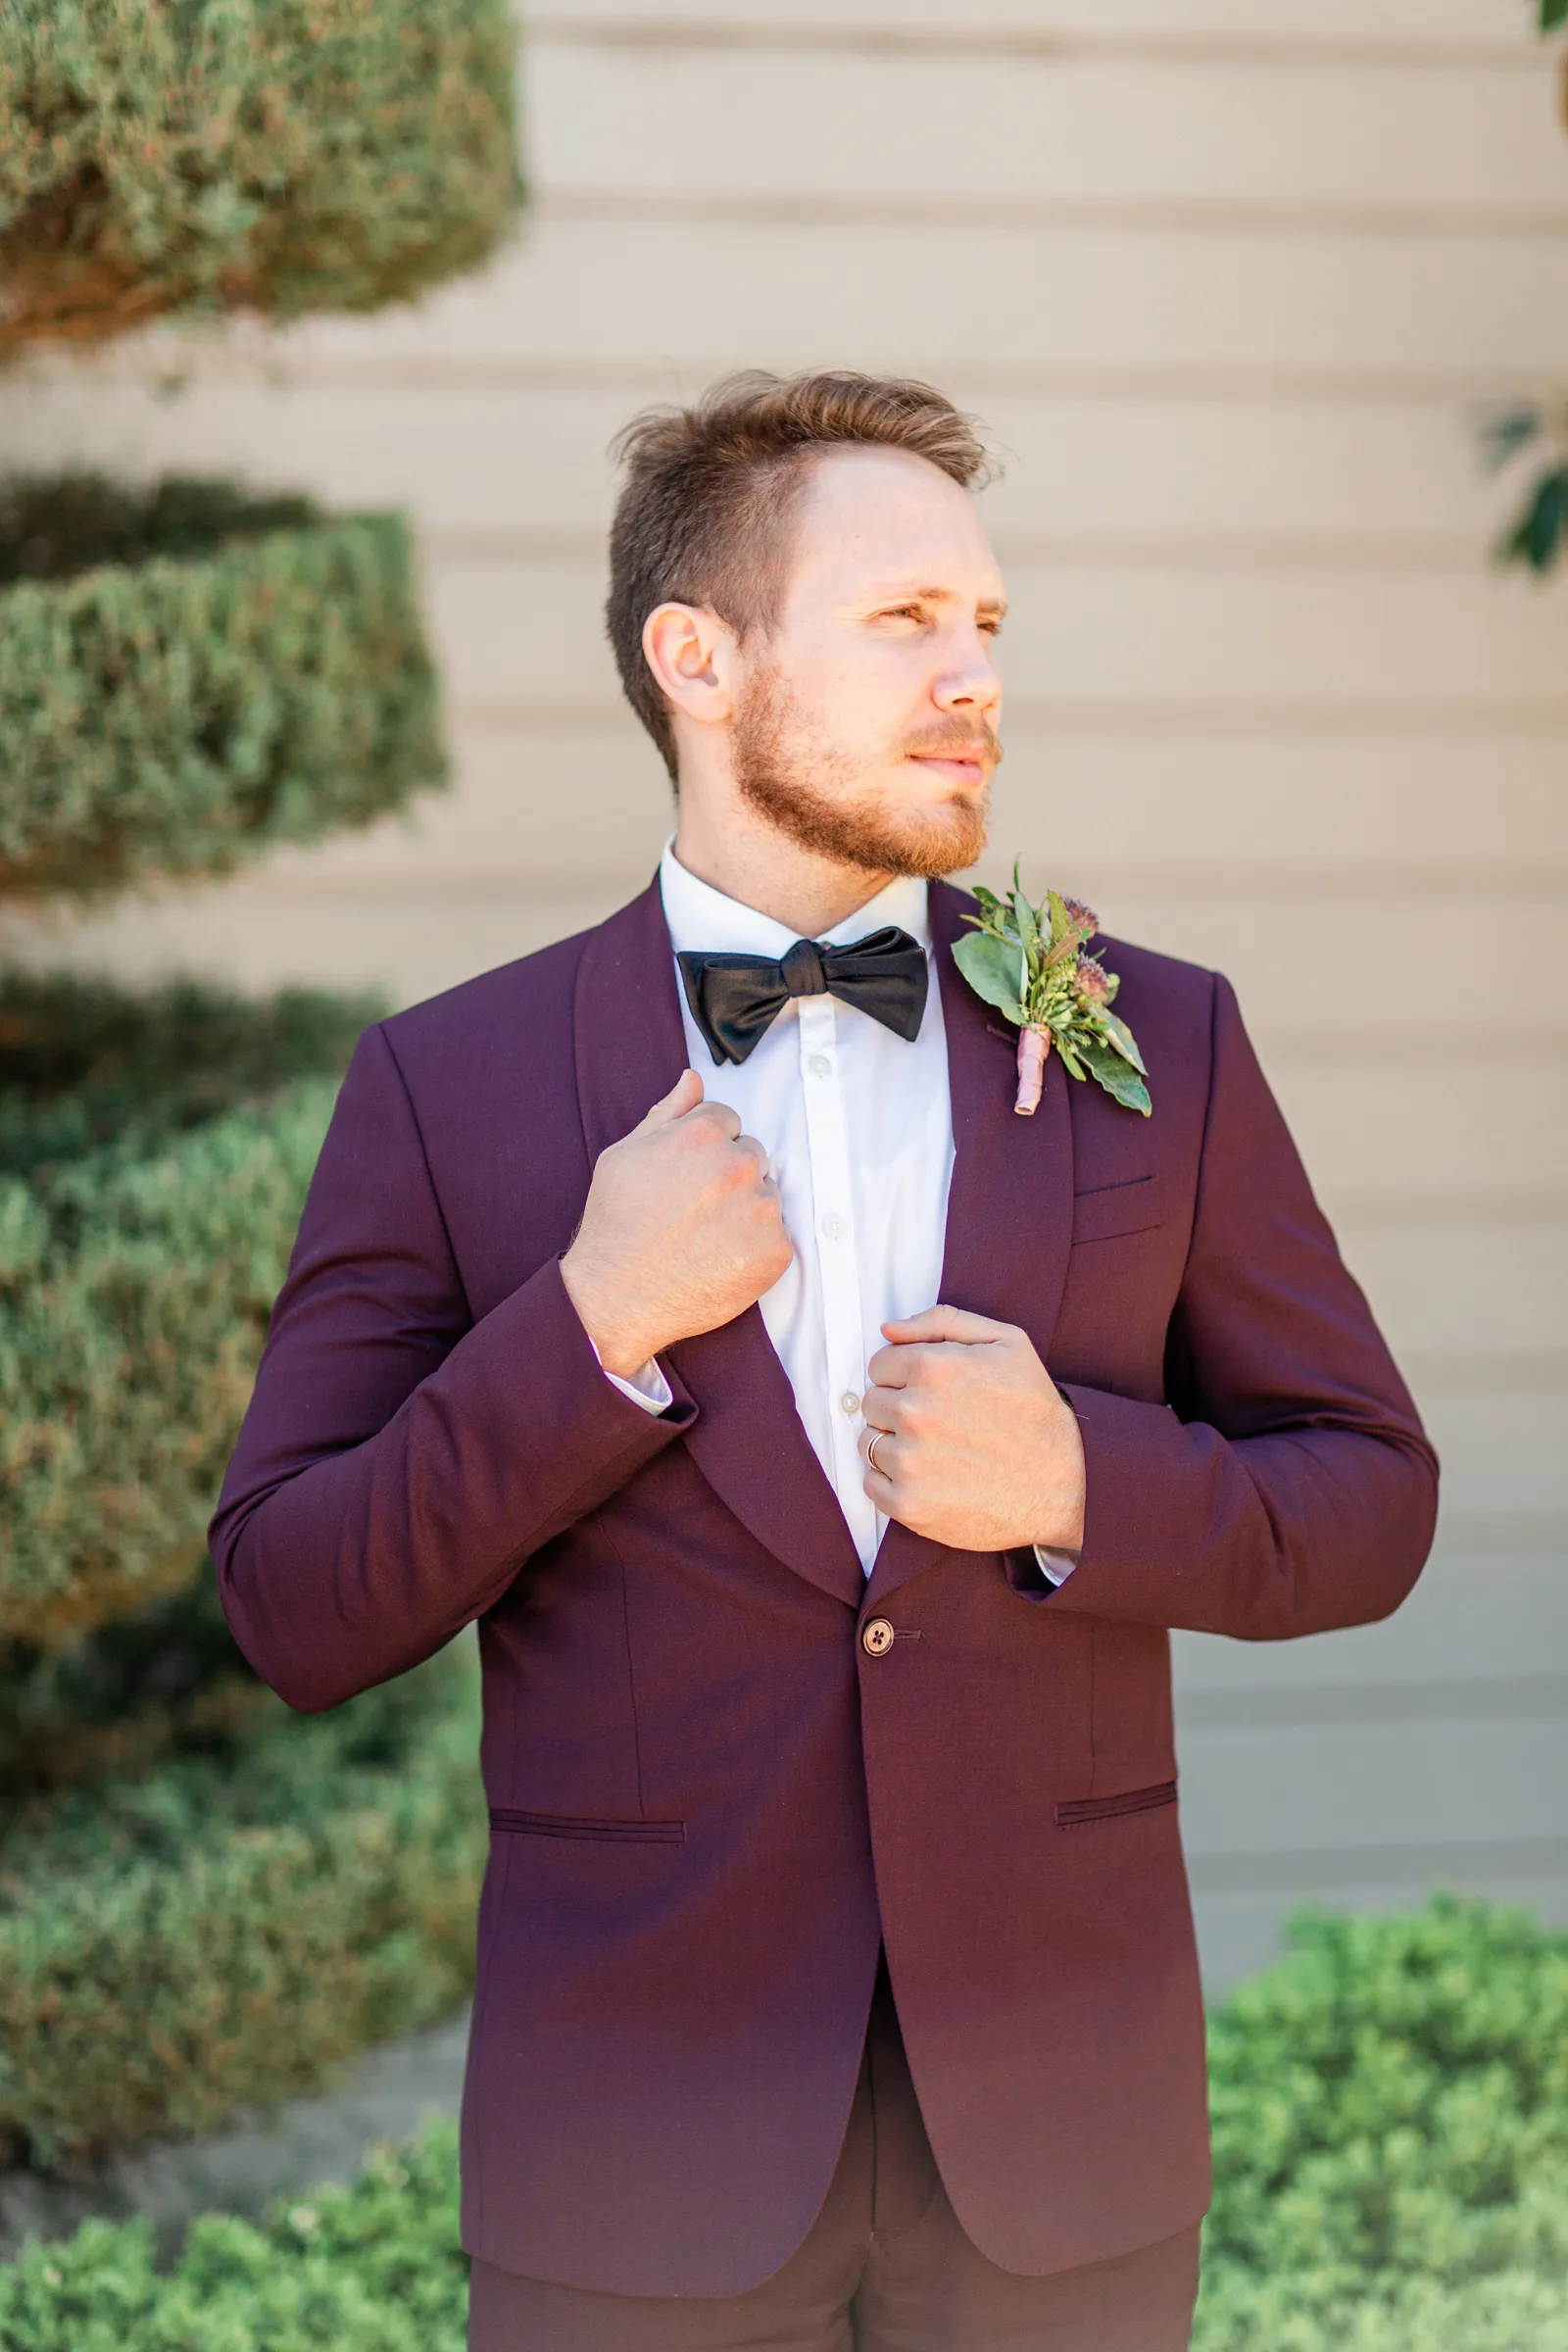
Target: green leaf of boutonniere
{"type": "Point", "coordinates": [994, 970]}
{"type": "Point", "coordinates": [1116, 1075]}
{"type": "Point", "coordinates": [1126, 1043]}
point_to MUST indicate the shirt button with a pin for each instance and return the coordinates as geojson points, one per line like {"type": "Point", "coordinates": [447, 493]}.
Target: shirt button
{"type": "Point", "coordinates": [849, 1402]}
{"type": "Point", "coordinates": [877, 1638]}
{"type": "Point", "coordinates": [819, 1065]}
{"type": "Point", "coordinates": [835, 1227]}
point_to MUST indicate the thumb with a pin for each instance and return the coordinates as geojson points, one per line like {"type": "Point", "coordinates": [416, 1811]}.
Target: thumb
{"type": "Point", "coordinates": [944, 1323]}
{"type": "Point", "coordinates": [683, 1096]}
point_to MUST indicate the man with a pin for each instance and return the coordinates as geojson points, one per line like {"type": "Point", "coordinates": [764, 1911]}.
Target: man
{"type": "Point", "coordinates": [677, 1302]}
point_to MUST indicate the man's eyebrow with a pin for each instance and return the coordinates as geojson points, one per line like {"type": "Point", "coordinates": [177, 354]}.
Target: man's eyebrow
{"type": "Point", "coordinates": [934, 596]}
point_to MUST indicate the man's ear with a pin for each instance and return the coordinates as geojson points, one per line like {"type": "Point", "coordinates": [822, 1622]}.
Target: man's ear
{"type": "Point", "coordinates": [692, 655]}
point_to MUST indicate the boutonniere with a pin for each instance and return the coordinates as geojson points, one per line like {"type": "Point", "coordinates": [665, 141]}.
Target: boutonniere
{"type": "Point", "coordinates": [1029, 962]}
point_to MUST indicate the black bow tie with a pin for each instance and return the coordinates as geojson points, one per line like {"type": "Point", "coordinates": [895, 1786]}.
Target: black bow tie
{"type": "Point", "coordinates": [735, 999]}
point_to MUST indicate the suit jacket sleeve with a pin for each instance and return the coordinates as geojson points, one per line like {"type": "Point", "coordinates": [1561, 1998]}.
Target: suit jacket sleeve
{"type": "Point", "coordinates": [1287, 1488]}
{"type": "Point", "coordinates": [400, 1461]}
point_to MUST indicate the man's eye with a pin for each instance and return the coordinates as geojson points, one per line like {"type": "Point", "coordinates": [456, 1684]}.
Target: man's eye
{"type": "Point", "coordinates": [991, 628]}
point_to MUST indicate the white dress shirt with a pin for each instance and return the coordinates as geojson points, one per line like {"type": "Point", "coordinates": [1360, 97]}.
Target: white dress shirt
{"type": "Point", "coordinates": [858, 1127]}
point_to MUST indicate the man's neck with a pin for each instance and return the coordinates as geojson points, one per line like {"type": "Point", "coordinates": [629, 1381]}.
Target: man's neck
{"type": "Point", "coordinates": [763, 869]}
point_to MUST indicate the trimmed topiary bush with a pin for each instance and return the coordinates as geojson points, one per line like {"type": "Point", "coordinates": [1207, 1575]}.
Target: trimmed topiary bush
{"type": "Point", "coordinates": [199, 1903]}
{"type": "Point", "coordinates": [190, 677]}
{"type": "Point", "coordinates": [169, 157]}
{"type": "Point", "coordinates": [225, 1928]}
{"type": "Point", "coordinates": [155, 1155]}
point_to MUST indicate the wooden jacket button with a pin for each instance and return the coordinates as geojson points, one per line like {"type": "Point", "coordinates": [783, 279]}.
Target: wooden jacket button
{"type": "Point", "coordinates": [877, 1638]}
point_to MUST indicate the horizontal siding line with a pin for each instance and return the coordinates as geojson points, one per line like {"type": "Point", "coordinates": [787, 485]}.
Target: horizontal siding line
{"type": "Point", "coordinates": [1458, 1209]}
{"type": "Point", "coordinates": [1103, 216]}
{"type": "Point", "coordinates": [1512, 1534]}
{"type": "Point", "coordinates": [256, 361]}
{"type": "Point", "coordinates": [1270, 717]}
{"type": "Point", "coordinates": [1099, 550]}
{"type": "Point", "coordinates": [1460, 1048]}
{"type": "Point", "coordinates": [1010, 43]}
{"type": "Point", "coordinates": [1449, 1862]}
{"type": "Point", "coordinates": [1492, 1372]}
{"type": "Point", "coordinates": [1482, 1698]}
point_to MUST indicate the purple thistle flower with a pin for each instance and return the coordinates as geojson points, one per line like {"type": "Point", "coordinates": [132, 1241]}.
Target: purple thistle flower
{"type": "Point", "coordinates": [1092, 980]}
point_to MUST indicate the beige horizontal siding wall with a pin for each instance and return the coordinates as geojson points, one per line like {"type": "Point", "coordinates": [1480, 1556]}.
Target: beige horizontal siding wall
{"type": "Point", "coordinates": [1225, 280]}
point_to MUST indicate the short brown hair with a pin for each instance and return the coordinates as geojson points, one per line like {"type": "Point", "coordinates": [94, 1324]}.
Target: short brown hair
{"type": "Point", "coordinates": [704, 511]}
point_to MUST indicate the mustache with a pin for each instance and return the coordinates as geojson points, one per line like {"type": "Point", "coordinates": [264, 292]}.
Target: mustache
{"type": "Point", "coordinates": [957, 743]}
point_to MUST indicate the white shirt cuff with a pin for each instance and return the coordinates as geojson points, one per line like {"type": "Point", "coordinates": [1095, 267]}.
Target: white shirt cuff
{"type": "Point", "coordinates": [1056, 1566]}
{"type": "Point", "coordinates": [647, 1387]}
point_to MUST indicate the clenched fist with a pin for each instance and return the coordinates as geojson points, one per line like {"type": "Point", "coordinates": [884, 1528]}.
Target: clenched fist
{"type": "Point", "coordinates": [975, 1444]}
{"type": "Point", "coordinates": [681, 1231]}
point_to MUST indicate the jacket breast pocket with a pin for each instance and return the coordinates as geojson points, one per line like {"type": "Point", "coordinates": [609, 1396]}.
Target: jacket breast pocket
{"type": "Point", "coordinates": [1111, 1210]}
{"type": "Point", "coordinates": [514, 1822]}
{"type": "Point", "coordinates": [1081, 1809]}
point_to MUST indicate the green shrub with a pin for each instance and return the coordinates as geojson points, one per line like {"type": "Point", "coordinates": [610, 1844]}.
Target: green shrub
{"type": "Point", "coordinates": [1443, 2027]}
{"type": "Point", "coordinates": [372, 2268]}
{"type": "Point", "coordinates": [166, 1680]}
{"type": "Point", "coordinates": [188, 678]}
{"type": "Point", "coordinates": [136, 1275]}
{"type": "Point", "coordinates": [180, 155]}
{"type": "Point", "coordinates": [1390, 2141]}
{"type": "Point", "coordinates": [226, 1929]}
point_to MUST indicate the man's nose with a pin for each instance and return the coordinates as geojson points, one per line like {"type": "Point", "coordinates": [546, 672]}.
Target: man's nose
{"type": "Point", "coordinates": [970, 685]}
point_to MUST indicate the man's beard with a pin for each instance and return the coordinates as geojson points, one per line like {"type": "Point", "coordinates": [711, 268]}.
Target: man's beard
{"type": "Point", "coordinates": [790, 781]}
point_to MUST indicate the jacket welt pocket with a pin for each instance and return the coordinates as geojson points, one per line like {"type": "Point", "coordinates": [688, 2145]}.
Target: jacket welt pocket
{"type": "Point", "coordinates": [1110, 1808]}
{"type": "Point", "coordinates": [509, 1819]}
{"type": "Point", "coordinates": [1111, 1211]}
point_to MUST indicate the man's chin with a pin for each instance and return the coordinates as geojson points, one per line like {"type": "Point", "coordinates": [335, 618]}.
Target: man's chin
{"type": "Point", "coordinates": [944, 843]}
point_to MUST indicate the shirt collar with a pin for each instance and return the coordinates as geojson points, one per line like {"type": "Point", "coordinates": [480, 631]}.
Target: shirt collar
{"type": "Point", "coordinates": [701, 920]}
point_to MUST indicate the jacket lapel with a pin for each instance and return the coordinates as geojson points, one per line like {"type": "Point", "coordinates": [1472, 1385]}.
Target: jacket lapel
{"type": "Point", "coordinates": [1009, 1211]}
{"type": "Point", "coordinates": [747, 1439]}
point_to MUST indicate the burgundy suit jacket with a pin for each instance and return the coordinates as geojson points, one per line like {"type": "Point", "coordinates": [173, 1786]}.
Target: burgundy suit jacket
{"type": "Point", "coordinates": [709, 1803]}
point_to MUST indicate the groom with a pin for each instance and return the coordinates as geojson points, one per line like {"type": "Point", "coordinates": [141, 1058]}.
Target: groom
{"type": "Point", "coordinates": [824, 1452]}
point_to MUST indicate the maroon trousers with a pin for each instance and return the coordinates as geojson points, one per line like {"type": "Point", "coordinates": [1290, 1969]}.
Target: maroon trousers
{"type": "Point", "coordinates": [885, 2268]}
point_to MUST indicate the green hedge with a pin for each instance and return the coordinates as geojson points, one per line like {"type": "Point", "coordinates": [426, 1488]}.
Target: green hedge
{"type": "Point", "coordinates": [374, 2268]}
{"type": "Point", "coordinates": [1390, 2131]}
{"type": "Point", "coordinates": [180, 155]}
{"type": "Point", "coordinates": [136, 1274]}
{"type": "Point", "coordinates": [223, 1930]}
{"type": "Point", "coordinates": [190, 677]}
{"type": "Point", "coordinates": [1390, 2141]}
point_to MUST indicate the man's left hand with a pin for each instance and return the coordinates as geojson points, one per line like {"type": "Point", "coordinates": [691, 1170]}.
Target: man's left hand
{"type": "Point", "coordinates": [977, 1447]}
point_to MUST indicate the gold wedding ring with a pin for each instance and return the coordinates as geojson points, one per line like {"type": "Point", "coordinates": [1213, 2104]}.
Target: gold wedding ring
{"type": "Point", "coordinates": [870, 1451]}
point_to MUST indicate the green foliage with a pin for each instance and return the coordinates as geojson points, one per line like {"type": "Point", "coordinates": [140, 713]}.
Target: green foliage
{"type": "Point", "coordinates": [372, 2268]}
{"type": "Point", "coordinates": [1390, 2141]}
{"type": "Point", "coordinates": [279, 156]}
{"type": "Point", "coordinates": [136, 1273]}
{"type": "Point", "coordinates": [226, 1929]}
{"type": "Point", "coordinates": [168, 1680]}
{"type": "Point", "coordinates": [1553, 13]}
{"type": "Point", "coordinates": [1535, 537]}
{"type": "Point", "coordinates": [190, 678]}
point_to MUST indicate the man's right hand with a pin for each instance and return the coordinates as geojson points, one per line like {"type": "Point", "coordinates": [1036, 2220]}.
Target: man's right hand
{"type": "Point", "coordinates": [682, 1231]}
